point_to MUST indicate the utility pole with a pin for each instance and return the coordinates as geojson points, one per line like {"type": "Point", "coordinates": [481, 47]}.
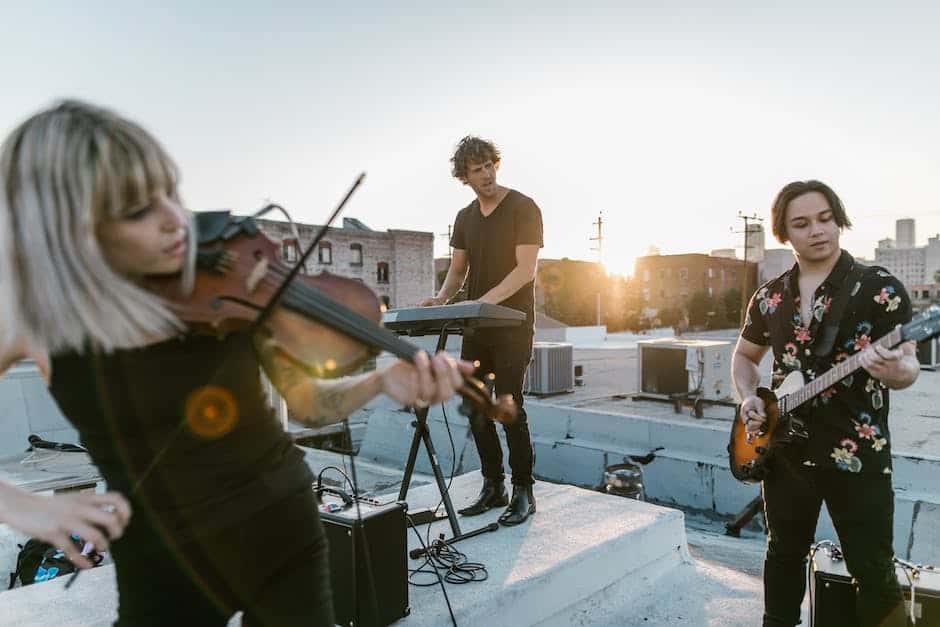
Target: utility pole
{"type": "Point", "coordinates": [448, 235]}
{"type": "Point", "coordinates": [600, 259]}
{"type": "Point", "coordinates": [744, 283]}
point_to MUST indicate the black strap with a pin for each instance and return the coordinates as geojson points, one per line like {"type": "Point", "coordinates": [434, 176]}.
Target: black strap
{"type": "Point", "coordinates": [830, 328]}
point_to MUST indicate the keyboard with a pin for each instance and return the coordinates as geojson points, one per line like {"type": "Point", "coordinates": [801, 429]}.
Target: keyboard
{"type": "Point", "coordinates": [457, 317]}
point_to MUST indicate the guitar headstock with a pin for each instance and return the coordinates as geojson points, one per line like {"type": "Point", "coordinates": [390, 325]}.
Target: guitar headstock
{"type": "Point", "coordinates": [924, 326]}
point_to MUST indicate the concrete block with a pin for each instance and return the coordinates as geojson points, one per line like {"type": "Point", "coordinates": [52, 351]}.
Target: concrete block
{"type": "Point", "coordinates": [578, 544]}
{"type": "Point", "coordinates": [903, 522]}
{"type": "Point", "coordinates": [690, 438]}
{"type": "Point", "coordinates": [570, 461]}
{"type": "Point", "coordinates": [916, 474]}
{"type": "Point", "coordinates": [42, 411]}
{"type": "Point", "coordinates": [14, 427]}
{"type": "Point", "coordinates": [608, 429]}
{"type": "Point", "coordinates": [925, 544]}
{"type": "Point", "coordinates": [547, 420]}
{"type": "Point", "coordinates": [671, 478]}
{"type": "Point", "coordinates": [388, 434]}
{"type": "Point", "coordinates": [731, 495]}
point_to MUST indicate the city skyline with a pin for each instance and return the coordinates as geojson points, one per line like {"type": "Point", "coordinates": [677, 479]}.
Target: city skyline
{"type": "Point", "coordinates": [670, 120]}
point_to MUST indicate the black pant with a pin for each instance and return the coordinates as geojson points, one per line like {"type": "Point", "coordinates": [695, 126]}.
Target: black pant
{"type": "Point", "coordinates": [862, 510]}
{"type": "Point", "coordinates": [273, 566]}
{"type": "Point", "coordinates": [506, 353]}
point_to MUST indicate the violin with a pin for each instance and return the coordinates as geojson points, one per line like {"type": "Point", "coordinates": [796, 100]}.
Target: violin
{"type": "Point", "coordinates": [327, 323]}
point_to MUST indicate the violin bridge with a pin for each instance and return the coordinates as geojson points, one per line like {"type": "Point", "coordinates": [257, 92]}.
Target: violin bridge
{"type": "Point", "coordinates": [257, 273]}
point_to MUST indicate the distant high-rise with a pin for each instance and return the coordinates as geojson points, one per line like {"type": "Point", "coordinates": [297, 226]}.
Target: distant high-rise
{"type": "Point", "coordinates": [915, 266]}
{"type": "Point", "coordinates": [904, 233]}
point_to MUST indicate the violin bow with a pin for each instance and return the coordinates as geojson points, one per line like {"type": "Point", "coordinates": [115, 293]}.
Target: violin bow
{"type": "Point", "coordinates": [276, 297]}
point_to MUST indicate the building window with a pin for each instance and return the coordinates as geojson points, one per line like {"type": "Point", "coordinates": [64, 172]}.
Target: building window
{"type": "Point", "coordinates": [662, 293]}
{"type": "Point", "coordinates": [711, 292]}
{"type": "Point", "coordinates": [711, 273]}
{"type": "Point", "coordinates": [356, 250]}
{"type": "Point", "coordinates": [646, 275]}
{"type": "Point", "coordinates": [386, 303]}
{"type": "Point", "coordinates": [326, 252]}
{"type": "Point", "coordinates": [683, 274]}
{"type": "Point", "coordinates": [662, 274]}
{"type": "Point", "coordinates": [289, 250]}
{"type": "Point", "coordinates": [381, 273]}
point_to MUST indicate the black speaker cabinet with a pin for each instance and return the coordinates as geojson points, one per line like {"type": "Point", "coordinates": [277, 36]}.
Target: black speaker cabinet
{"type": "Point", "coordinates": [832, 593]}
{"type": "Point", "coordinates": [368, 563]}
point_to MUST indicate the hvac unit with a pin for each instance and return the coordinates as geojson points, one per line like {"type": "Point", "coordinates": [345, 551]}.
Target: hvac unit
{"type": "Point", "coordinates": [552, 368]}
{"type": "Point", "coordinates": [928, 353]}
{"type": "Point", "coordinates": [671, 368]}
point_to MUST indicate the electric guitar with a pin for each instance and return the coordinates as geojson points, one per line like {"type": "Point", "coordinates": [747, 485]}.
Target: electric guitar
{"type": "Point", "coordinates": [750, 453]}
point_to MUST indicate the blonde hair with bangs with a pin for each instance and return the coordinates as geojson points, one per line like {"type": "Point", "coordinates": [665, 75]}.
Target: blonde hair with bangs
{"type": "Point", "coordinates": [64, 171]}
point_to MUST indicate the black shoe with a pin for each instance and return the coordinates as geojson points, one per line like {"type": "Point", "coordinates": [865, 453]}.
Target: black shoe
{"type": "Point", "coordinates": [493, 494]}
{"type": "Point", "coordinates": [520, 507]}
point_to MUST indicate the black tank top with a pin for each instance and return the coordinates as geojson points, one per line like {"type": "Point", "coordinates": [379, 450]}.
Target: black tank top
{"type": "Point", "coordinates": [187, 419]}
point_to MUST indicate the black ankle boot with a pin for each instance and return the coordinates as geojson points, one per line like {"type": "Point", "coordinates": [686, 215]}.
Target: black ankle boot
{"type": "Point", "coordinates": [493, 494]}
{"type": "Point", "coordinates": [520, 507]}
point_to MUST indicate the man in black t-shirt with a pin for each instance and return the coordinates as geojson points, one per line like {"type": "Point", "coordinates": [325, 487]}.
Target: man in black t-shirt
{"type": "Point", "coordinates": [846, 460]}
{"type": "Point", "coordinates": [496, 240]}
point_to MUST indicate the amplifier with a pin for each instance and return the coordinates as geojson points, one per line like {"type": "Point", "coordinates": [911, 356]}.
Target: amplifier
{"type": "Point", "coordinates": [832, 591]}
{"type": "Point", "coordinates": [368, 562]}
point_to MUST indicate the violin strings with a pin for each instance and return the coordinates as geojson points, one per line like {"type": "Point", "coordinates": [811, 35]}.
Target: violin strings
{"type": "Point", "coordinates": [337, 314]}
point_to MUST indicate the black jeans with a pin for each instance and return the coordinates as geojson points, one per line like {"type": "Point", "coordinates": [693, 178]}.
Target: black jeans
{"type": "Point", "coordinates": [506, 353]}
{"type": "Point", "coordinates": [862, 510]}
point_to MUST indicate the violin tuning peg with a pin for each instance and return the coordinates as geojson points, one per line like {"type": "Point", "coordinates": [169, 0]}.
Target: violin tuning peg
{"type": "Point", "coordinates": [489, 382]}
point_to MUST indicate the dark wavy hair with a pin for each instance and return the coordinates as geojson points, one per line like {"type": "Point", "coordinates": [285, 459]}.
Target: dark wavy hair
{"type": "Point", "coordinates": [472, 149]}
{"type": "Point", "coordinates": [778, 212]}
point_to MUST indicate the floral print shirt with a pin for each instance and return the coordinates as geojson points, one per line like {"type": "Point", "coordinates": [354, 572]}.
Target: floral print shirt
{"type": "Point", "coordinates": [848, 423]}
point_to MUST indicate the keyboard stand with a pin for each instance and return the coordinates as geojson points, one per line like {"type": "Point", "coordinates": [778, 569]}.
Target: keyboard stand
{"type": "Point", "coordinates": [423, 434]}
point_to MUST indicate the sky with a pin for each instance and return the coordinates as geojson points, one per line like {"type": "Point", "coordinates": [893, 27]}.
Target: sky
{"type": "Point", "coordinates": [671, 118]}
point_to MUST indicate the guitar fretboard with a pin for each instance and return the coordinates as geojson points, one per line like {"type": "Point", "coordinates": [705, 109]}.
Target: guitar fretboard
{"type": "Point", "coordinates": [832, 376]}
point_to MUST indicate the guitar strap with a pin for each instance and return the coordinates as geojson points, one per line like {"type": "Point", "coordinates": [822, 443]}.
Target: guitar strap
{"type": "Point", "coordinates": [830, 328]}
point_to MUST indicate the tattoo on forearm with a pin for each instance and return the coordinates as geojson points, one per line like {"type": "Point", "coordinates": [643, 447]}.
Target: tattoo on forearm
{"type": "Point", "coordinates": [332, 400]}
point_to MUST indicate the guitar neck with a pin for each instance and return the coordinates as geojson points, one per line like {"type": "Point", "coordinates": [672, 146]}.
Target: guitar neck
{"type": "Point", "coordinates": [835, 374]}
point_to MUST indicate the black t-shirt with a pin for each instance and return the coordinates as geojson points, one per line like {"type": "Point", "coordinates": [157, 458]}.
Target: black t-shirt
{"type": "Point", "coordinates": [189, 421]}
{"type": "Point", "coordinates": [490, 242]}
{"type": "Point", "coordinates": [848, 423]}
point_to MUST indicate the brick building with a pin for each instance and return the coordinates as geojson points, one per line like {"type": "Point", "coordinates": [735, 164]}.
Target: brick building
{"type": "Point", "coordinates": [670, 280]}
{"type": "Point", "coordinates": [397, 265]}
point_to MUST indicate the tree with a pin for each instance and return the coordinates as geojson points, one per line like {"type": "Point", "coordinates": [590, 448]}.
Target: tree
{"type": "Point", "coordinates": [700, 305]}
{"type": "Point", "coordinates": [732, 303]}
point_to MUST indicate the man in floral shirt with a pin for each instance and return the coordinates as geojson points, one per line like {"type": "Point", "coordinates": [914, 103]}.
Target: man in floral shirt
{"type": "Point", "coordinates": [846, 461]}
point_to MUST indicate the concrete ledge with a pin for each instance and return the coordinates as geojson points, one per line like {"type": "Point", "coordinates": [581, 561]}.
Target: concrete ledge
{"type": "Point", "coordinates": [573, 445]}
{"type": "Point", "coordinates": [577, 545]}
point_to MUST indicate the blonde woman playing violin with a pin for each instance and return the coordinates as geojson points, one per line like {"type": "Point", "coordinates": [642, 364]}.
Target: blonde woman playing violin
{"type": "Point", "coordinates": [208, 512]}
